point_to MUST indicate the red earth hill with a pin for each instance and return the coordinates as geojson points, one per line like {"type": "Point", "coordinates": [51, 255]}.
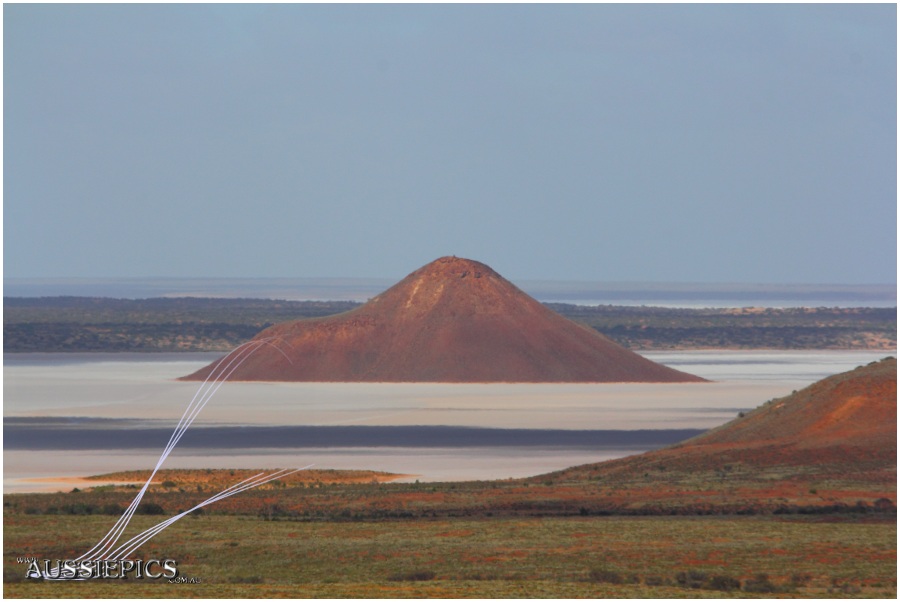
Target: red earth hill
{"type": "Point", "coordinates": [834, 441]}
{"type": "Point", "coordinates": [453, 320]}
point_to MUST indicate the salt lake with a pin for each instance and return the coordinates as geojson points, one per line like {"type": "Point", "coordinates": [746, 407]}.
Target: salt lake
{"type": "Point", "coordinates": [142, 388]}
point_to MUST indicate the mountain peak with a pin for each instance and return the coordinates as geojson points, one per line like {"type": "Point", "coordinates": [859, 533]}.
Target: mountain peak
{"type": "Point", "coordinates": [451, 286]}
{"type": "Point", "coordinates": [452, 320]}
{"type": "Point", "coordinates": [452, 266]}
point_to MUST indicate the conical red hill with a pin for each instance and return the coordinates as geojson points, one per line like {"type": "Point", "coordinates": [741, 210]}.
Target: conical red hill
{"type": "Point", "coordinates": [453, 320]}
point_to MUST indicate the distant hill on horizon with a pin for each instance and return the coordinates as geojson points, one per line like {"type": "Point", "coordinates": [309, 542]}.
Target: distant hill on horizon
{"type": "Point", "coordinates": [453, 320]}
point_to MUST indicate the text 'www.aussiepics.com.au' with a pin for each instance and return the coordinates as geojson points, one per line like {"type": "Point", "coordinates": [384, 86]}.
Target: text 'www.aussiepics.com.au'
{"type": "Point", "coordinates": [100, 569]}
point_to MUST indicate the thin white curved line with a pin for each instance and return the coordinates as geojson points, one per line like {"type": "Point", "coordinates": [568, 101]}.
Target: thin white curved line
{"type": "Point", "coordinates": [142, 538]}
{"type": "Point", "coordinates": [116, 531]}
{"type": "Point", "coordinates": [219, 374]}
{"type": "Point", "coordinates": [137, 541]}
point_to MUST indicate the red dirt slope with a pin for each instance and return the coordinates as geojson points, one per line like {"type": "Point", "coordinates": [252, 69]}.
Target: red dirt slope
{"type": "Point", "coordinates": [453, 320]}
{"type": "Point", "coordinates": [837, 418]}
{"type": "Point", "coordinates": [834, 441]}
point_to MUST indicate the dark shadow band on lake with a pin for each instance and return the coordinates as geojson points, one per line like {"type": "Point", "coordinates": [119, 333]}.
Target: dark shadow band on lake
{"type": "Point", "coordinates": [59, 434]}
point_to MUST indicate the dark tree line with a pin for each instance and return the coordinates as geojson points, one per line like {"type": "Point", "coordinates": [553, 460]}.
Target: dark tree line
{"type": "Point", "coordinates": [62, 324]}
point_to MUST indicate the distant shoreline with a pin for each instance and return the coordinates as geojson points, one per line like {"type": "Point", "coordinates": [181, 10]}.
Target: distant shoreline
{"type": "Point", "coordinates": [659, 294]}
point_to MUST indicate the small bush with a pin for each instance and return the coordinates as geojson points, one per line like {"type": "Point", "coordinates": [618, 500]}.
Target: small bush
{"type": "Point", "coordinates": [760, 584]}
{"type": "Point", "coordinates": [78, 509]}
{"type": "Point", "coordinates": [151, 509]}
{"type": "Point", "coordinates": [691, 579]}
{"type": "Point", "coordinates": [412, 576]}
{"type": "Point", "coordinates": [843, 588]}
{"type": "Point", "coordinates": [604, 576]}
{"type": "Point", "coordinates": [883, 504]}
{"type": "Point", "coordinates": [800, 579]}
{"type": "Point", "coordinates": [481, 577]}
{"type": "Point", "coordinates": [169, 484]}
{"type": "Point", "coordinates": [723, 583]}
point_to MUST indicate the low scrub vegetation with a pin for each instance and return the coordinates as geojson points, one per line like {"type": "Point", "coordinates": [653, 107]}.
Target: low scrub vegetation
{"type": "Point", "coordinates": [197, 324]}
{"type": "Point", "coordinates": [348, 496]}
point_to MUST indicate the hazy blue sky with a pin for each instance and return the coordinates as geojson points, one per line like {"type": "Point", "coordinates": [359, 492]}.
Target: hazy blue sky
{"type": "Point", "coordinates": [694, 143]}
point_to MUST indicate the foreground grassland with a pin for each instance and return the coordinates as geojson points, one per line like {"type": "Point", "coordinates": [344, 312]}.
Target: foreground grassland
{"type": "Point", "coordinates": [646, 557]}
{"type": "Point", "coordinates": [64, 324]}
{"type": "Point", "coordinates": [337, 534]}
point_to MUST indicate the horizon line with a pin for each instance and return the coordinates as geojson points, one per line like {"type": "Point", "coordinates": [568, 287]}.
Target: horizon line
{"type": "Point", "coordinates": [385, 279]}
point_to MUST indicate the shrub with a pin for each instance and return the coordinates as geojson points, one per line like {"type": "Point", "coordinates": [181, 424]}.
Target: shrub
{"type": "Point", "coordinates": [724, 583]}
{"type": "Point", "coordinates": [151, 508]}
{"type": "Point", "coordinates": [846, 589]}
{"type": "Point", "coordinates": [883, 504]}
{"type": "Point", "coordinates": [412, 576]}
{"type": "Point", "coordinates": [760, 584]}
{"type": "Point", "coordinates": [691, 579]}
{"type": "Point", "coordinates": [481, 577]}
{"type": "Point", "coordinates": [78, 509]}
{"type": "Point", "coordinates": [605, 576]}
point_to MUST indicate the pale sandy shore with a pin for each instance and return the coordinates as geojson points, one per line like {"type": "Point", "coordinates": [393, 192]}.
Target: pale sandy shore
{"type": "Point", "coordinates": [58, 483]}
{"type": "Point", "coordinates": [66, 470]}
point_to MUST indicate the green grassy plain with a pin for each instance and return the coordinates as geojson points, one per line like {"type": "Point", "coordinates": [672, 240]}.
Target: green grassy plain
{"type": "Point", "coordinates": [489, 557]}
